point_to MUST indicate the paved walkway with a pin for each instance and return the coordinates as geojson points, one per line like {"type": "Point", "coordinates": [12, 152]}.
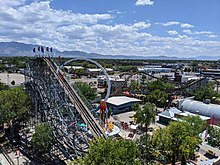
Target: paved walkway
{"type": "Point", "coordinates": [206, 147]}
{"type": "Point", "coordinates": [8, 78]}
{"type": "Point", "coordinates": [3, 160]}
{"type": "Point", "coordinates": [21, 160]}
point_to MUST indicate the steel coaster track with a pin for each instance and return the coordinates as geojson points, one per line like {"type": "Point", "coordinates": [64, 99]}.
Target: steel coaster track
{"type": "Point", "coordinates": [86, 115]}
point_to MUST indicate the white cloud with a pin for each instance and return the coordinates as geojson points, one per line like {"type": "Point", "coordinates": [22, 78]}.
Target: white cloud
{"type": "Point", "coordinates": [187, 31]}
{"type": "Point", "coordinates": [6, 3]}
{"type": "Point", "coordinates": [41, 11]}
{"type": "Point", "coordinates": [183, 36]}
{"type": "Point", "coordinates": [141, 25]}
{"type": "Point", "coordinates": [203, 32]}
{"type": "Point", "coordinates": [186, 25]}
{"type": "Point", "coordinates": [212, 36]}
{"type": "Point", "coordinates": [116, 11]}
{"type": "Point", "coordinates": [171, 23]}
{"type": "Point", "coordinates": [172, 32]}
{"type": "Point", "coordinates": [182, 25]}
{"type": "Point", "coordinates": [144, 2]}
{"type": "Point", "coordinates": [39, 23]}
{"type": "Point", "coordinates": [197, 32]}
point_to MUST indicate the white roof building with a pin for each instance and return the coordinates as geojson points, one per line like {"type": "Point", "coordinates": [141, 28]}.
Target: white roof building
{"type": "Point", "coordinates": [94, 69]}
{"type": "Point", "coordinates": [198, 107]}
{"type": "Point", "coordinates": [103, 78]}
{"type": "Point", "coordinates": [120, 100]}
{"type": "Point", "coordinates": [73, 67]}
{"type": "Point", "coordinates": [119, 104]}
{"type": "Point", "coordinates": [174, 114]}
{"type": "Point", "coordinates": [99, 70]}
{"type": "Point", "coordinates": [155, 69]}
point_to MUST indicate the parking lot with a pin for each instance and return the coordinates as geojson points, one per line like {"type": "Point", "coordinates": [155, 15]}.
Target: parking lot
{"type": "Point", "coordinates": [8, 78]}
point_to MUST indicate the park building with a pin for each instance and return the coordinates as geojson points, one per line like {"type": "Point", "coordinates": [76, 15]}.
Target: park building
{"type": "Point", "coordinates": [197, 107]}
{"type": "Point", "coordinates": [206, 111]}
{"type": "Point", "coordinates": [69, 68]}
{"type": "Point", "coordinates": [174, 114]}
{"type": "Point", "coordinates": [186, 77]}
{"type": "Point", "coordinates": [116, 82]}
{"type": "Point", "coordinates": [155, 69]}
{"type": "Point", "coordinates": [120, 104]}
{"type": "Point", "coordinates": [211, 73]}
{"type": "Point", "coordinates": [173, 65]}
{"type": "Point", "coordinates": [95, 72]}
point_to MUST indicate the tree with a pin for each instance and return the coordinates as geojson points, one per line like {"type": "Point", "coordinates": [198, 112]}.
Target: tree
{"type": "Point", "coordinates": [127, 68]}
{"type": "Point", "coordinates": [178, 141]}
{"type": "Point", "coordinates": [214, 136]}
{"type": "Point", "coordinates": [135, 85]}
{"type": "Point", "coordinates": [157, 97]}
{"type": "Point", "coordinates": [159, 85]}
{"type": "Point", "coordinates": [3, 86]}
{"type": "Point", "coordinates": [147, 151]}
{"type": "Point", "coordinates": [107, 65]}
{"type": "Point", "coordinates": [196, 123]}
{"type": "Point", "coordinates": [86, 90]}
{"type": "Point", "coordinates": [147, 115]}
{"type": "Point", "coordinates": [194, 65]}
{"type": "Point", "coordinates": [79, 72]}
{"type": "Point", "coordinates": [42, 138]}
{"type": "Point", "coordinates": [161, 143]}
{"type": "Point", "coordinates": [206, 92]}
{"type": "Point", "coordinates": [14, 105]}
{"type": "Point", "coordinates": [111, 152]}
{"type": "Point", "coordinates": [143, 79]}
{"type": "Point", "coordinates": [2, 67]}
{"type": "Point", "coordinates": [136, 107]}
{"type": "Point", "coordinates": [183, 143]}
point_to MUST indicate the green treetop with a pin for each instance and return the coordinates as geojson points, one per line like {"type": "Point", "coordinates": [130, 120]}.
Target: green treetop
{"type": "Point", "coordinates": [14, 105]}
{"type": "Point", "coordinates": [206, 92]}
{"type": "Point", "coordinates": [179, 140]}
{"type": "Point", "coordinates": [111, 152]}
{"type": "Point", "coordinates": [159, 85]}
{"type": "Point", "coordinates": [86, 90]}
{"type": "Point", "coordinates": [3, 86]}
{"type": "Point", "coordinates": [157, 97]}
{"type": "Point", "coordinates": [42, 138]}
{"type": "Point", "coordinates": [147, 115]}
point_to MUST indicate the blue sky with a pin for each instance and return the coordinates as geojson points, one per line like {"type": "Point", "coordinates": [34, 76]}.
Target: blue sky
{"type": "Point", "coordinates": [204, 14]}
{"type": "Point", "coordinates": [184, 28]}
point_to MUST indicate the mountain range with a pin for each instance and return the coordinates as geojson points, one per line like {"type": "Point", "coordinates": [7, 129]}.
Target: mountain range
{"type": "Point", "coordinates": [22, 49]}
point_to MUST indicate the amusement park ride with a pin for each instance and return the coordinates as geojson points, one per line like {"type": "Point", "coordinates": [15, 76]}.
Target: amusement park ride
{"type": "Point", "coordinates": [58, 103]}
{"type": "Point", "coordinates": [102, 108]}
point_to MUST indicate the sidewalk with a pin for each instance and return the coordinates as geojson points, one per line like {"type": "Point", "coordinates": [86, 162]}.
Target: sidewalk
{"type": "Point", "coordinates": [21, 160]}
{"type": "Point", "coordinates": [3, 160]}
{"type": "Point", "coordinates": [206, 147]}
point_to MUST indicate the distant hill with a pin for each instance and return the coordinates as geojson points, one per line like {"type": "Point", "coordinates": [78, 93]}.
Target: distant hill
{"type": "Point", "coordinates": [15, 49]}
{"type": "Point", "coordinates": [208, 58]}
{"type": "Point", "coordinates": [21, 49]}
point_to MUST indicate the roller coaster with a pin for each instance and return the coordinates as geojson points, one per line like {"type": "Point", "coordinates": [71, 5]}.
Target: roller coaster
{"type": "Point", "coordinates": [57, 103]}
